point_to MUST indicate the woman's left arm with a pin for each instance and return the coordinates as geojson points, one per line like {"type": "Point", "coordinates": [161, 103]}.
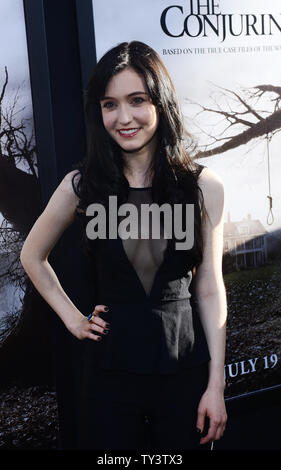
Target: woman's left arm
{"type": "Point", "coordinates": [211, 298]}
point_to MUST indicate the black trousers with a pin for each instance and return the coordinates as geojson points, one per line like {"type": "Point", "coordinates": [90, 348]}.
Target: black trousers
{"type": "Point", "coordinates": [128, 411]}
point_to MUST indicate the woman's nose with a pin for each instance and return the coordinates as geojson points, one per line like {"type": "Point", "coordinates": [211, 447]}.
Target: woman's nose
{"type": "Point", "coordinates": [125, 115]}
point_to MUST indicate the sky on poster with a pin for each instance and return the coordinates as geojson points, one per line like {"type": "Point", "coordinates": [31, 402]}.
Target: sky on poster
{"type": "Point", "coordinates": [13, 52]}
{"type": "Point", "coordinates": [14, 55]}
{"type": "Point", "coordinates": [198, 76]}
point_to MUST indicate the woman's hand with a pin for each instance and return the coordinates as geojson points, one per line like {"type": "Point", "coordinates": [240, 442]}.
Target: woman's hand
{"type": "Point", "coordinates": [212, 405]}
{"type": "Point", "coordinates": [83, 328]}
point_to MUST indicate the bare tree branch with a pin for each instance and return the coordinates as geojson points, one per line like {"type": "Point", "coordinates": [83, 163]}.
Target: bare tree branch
{"type": "Point", "coordinates": [251, 122]}
{"type": "Point", "coordinates": [19, 189]}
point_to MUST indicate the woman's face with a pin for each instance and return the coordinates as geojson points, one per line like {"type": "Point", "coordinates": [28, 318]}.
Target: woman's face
{"type": "Point", "coordinates": [129, 115]}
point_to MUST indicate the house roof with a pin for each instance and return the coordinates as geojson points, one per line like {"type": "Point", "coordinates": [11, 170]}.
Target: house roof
{"type": "Point", "coordinates": [235, 229]}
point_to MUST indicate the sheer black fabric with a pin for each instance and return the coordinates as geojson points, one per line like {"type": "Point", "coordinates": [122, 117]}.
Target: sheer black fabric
{"type": "Point", "coordinates": [145, 254]}
{"type": "Point", "coordinates": [148, 286]}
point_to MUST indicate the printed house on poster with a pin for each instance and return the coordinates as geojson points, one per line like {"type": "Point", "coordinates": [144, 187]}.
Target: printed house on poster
{"type": "Point", "coordinates": [245, 242]}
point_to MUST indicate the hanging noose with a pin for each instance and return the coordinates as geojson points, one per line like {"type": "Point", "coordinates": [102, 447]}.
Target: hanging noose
{"type": "Point", "coordinates": [270, 218]}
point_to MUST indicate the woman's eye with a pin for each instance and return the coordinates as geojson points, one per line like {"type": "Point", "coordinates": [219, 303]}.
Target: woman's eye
{"type": "Point", "coordinates": [108, 105]}
{"type": "Point", "coordinates": [138, 100]}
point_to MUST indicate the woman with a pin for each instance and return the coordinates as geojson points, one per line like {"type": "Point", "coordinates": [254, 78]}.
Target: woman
{"type": "Point", "coordinates": [155, 341]}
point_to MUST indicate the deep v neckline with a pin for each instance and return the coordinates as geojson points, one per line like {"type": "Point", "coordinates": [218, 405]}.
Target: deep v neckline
{"type": "Point", "coordinates": [137, 197]}
{"type": "Point", "coordinates": [135, 274]}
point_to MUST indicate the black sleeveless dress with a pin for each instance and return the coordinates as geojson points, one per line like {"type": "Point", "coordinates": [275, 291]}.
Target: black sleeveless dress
{"type": "Point", "coordinates": [148, 287]}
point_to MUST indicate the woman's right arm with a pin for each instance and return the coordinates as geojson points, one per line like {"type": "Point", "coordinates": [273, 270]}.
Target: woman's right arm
{"type": "Point", "coordinates": [48, 228]}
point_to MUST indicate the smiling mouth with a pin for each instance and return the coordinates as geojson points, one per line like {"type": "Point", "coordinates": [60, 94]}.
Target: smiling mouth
{"type": "Point", "coordinates": [128, 132]}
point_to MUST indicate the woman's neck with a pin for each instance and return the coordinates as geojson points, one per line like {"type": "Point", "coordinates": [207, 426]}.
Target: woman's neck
{"type": "Point", "coordinates": [138, 169]}
{"type": "Point", "coordinates": [138, 179]}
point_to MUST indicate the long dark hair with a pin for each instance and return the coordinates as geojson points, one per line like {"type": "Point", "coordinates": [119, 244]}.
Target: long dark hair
{"type": "Point", "coordinates": [175, 173]}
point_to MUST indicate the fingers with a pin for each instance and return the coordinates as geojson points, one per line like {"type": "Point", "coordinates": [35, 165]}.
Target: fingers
{"type": "Point", "coordinates": [92, 336]}
{"type": "Point", "coordinates": [200, 421]}
{"type": "Point", "coordinates": [211, 415]}
{"type": "Point", "coordinates": [100, 309]}
{"type": "Point", "coordinates": [97, 324]}
{"type": "Point", "coordinates": [99, 329]}
{"type": "Point", "coordinates": [215, 430]}
{"type": "Point", "coordinates": [221, 428]}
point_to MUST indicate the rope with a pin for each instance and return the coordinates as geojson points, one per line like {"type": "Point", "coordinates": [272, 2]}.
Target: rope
{"type": "Point", "coordinates": [270, 217]}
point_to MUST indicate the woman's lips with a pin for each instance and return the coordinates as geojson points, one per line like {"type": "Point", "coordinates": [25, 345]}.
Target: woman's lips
{"type": "Point", "coordinates": [127, 133]}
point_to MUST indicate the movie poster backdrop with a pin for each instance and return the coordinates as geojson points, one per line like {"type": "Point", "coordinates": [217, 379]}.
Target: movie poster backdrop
{"type": "Point", "coordinates": [224, 59]}
{"type": "Point", "coordinates": [23, 330]}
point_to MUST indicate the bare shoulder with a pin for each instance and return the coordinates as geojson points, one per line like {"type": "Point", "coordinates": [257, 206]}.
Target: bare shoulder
{"type": "Point", "coordinates": [66, 183]}
{"type": "Point", "coordinates": [64, 200]}
{"type": "Point", "coordinates": [58, 214]}
{"type": "Point", "coordinates": [212, 187]}
{"type": "Point", "coordinates": [210, 181]}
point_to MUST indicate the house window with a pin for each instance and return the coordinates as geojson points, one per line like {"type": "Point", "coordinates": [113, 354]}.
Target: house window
{"type": "Point", "coordinates": [243, 229]}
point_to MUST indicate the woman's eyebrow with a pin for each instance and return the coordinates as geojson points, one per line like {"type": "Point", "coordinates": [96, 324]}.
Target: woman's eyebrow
{"type": "Point", "coordinates": [130, 94]}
